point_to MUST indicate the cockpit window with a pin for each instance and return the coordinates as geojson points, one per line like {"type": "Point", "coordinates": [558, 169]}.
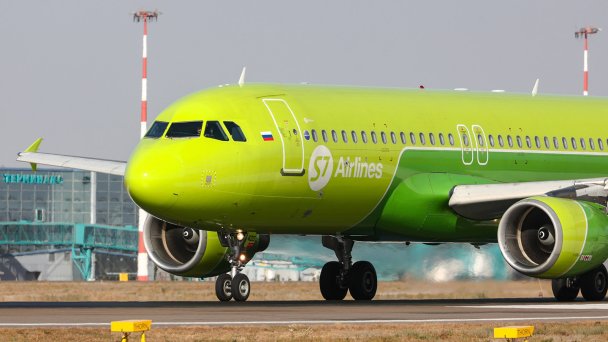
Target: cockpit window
{"type": "Point", "coordinates": [185, 129]}
{"type": "Point", "coordinates": [235, 131]}
{"type": "Point", "coordinates": [214, 130]}
{"type": "Point", "coordinates": [157, 129]}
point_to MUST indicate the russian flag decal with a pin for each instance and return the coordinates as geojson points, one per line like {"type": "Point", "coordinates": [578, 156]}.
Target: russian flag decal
{"type": "Point", "coordinates": [267, 136]}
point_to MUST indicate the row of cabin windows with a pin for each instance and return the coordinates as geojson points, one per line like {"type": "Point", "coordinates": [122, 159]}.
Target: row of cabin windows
{"type": "Point", "coordinates": [193, 129]}
{"type": "Point", "coordinates": [384, 137]}
{"type": "Point", "coordinates": [545, 142]}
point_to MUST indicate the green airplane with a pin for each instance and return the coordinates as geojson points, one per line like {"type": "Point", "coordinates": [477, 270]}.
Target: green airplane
{"type": "Point", "coordinates": [221, 170]}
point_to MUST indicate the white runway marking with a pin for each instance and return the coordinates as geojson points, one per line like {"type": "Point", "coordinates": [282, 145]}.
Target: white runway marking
{"type": "Point", "coordinates": [539, 306]}
{"type": "Point", "coordinates": [305, 322]}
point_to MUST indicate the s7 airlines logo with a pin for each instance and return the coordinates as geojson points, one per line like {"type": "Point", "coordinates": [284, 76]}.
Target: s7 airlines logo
{"type": "Point", "coordinates": [321, 167]}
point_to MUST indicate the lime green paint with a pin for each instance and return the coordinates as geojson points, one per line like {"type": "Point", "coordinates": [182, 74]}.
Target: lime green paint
{"type": "Point", "coordinates": [585, 236]}
{"type": "Point", "coordinates": [376, 191]}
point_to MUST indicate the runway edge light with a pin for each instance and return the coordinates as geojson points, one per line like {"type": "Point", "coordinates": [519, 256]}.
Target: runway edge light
{"type": "Point", "coordinates": [522, 331]}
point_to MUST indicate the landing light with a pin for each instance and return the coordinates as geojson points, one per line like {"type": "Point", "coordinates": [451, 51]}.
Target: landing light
{"type": "Point", "coordinates": [240, 236]}
{"type": "Point", "coordinates": [242, 257]}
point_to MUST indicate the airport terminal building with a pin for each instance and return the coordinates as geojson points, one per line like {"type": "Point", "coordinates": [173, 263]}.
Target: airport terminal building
{"type": "Point", "coordinates": [65, 225]}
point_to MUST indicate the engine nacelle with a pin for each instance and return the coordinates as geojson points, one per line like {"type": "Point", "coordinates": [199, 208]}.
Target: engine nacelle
{"type": "Point", "coordinates": [192, 252]}
{"type": "Point", "coordinates": [548, 237]}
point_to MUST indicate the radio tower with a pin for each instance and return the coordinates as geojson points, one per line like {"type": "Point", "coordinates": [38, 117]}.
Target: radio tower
{"type": "Point", "coordinates": [584, 33]}
{"type": "Point", "coordinates": [142, 255]}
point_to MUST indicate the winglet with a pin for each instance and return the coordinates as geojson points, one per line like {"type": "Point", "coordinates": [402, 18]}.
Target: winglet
{"type": "Point", "coordinates": [535, 88]}
{"type": "Point", "coordinates": [34, 148]}
{"type": "Point", "coordinates": [242, 78]}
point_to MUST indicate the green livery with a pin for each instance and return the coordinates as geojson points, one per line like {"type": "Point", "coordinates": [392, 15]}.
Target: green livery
{"type": "Point", "coordinates": [383, 190]}
{"type": "Point", "coordinates": [222, 169]}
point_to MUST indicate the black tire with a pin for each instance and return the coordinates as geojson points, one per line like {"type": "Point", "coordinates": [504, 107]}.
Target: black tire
{"type": "Point", "coordinates": [363, 281]}
{"type": "Point", "coordinates": [223, 287]}
{"type": "Point", "coordinates": [594, 284]}
{"type": "Point", "coordinates": [241, 287]}
{"type": "Point", "coordinates": [329, 282]}
{"type": "Point", "coordinates": [565, 289]}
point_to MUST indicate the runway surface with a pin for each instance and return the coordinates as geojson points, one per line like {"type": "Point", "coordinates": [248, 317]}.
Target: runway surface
{"type": "Point", "coordinates": [62, 314]}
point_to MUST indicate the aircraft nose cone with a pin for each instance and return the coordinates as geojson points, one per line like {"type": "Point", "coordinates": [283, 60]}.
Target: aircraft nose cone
{"type": "Point", "coordinates": [150, 181]}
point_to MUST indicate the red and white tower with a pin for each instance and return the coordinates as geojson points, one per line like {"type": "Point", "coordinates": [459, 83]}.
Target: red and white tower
{"type": "Point", "coordinates": [584, 33]}
{"type": "Point", "coordinates": [142, 255]}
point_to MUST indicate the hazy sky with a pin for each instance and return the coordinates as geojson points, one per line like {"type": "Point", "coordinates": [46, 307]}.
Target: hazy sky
{"type": "Point", "coordinates": [70, 70]}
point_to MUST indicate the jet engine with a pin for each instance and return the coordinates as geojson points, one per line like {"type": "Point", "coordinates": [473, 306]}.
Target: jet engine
{"type": "Point", "coordinates": [548, 237]}
{"type": "Point", "coordinates": [189, 252]}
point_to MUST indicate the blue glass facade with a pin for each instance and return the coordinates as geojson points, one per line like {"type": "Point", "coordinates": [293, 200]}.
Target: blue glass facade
{"type": "Point", "coordinates": [64, 196]}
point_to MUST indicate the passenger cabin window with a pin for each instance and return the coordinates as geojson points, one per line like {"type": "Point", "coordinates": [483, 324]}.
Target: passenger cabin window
{"type": "Point", "coordinates": [441, 139]}
{"type": "Point", "coordinates": [413, 138]}
{"type": "Point", "coordinates": [465, 140]}
{"type": "Point", "coordinates": [186, 129]}
{"type": "Point", "coordinates": [353, 134]}
{"type": "Point", "coordinates": [334, 136]}
{"type": "Point", "coordinates": [364, 137]}
{"type": "Point", "coordinates": [519, 144]}
{"type": "Point", "coordinates": [403, 139]}
{"type": "Point", "coordinates": [422, 141]}
{"type": "Point", "coordinates": [324, 134]}
{"type": "Point", "coordinates": [344, 136]}
{"type": "Point", "coordinates": [591, 143]}
{"type": "Point", "coordinates": [537, 141]}
{"type": "Point", "coordinates": [374, 137]}
{"type": "Point", "coordinates": [393, 138]}
{"type": "Point", "coordinates": [432, 138]}
{"type": "Point", "coordinates": [501, 142]}
{"type": "Point", "coordinates": [547, 144]}
{"type": "Point", "coordinates": [383, 137]}
{"type": "Point", "coordinates": [528, 142]}
{"type": "Point", "coordinates": [510, 141]}
{"type": "Point", "coordinates": [583, 144]}
{"type": "Point", "coordinates": [315, 137]}
{"type": "Point", "coordinates": [600, 144]}
{"type": "Point", "coordinates": [556, 143]}
{"type": "Point", "coordinates": [451, 139]}
{"type": "Point", "coordinates": [565, 143]}
{"type": "Point", "coordinates": [235, 131]}
{"type": "Point", "coordinates": [491, 139]}
{"type": "Point", "coordinates": [214, 130]}
{"type": "Point", "coordinates": [573, 141]}
{"type": "Point", "coordinates": [157, 130]}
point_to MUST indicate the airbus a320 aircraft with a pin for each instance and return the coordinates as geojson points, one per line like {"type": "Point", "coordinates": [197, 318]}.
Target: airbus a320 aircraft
{"type": "Point", "coordinates": [223, 169]}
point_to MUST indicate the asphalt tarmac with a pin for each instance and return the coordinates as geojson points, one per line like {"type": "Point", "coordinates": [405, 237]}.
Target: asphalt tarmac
{"type": "Point", "coordinates": [519, 311]}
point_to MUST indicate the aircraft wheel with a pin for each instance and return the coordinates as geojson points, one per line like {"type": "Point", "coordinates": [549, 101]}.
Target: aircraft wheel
{"type": "Point", "coordinates": [594, 284]}
{"type": "Point", "coordinates": [329, 282]}
{"type": "Point", "coordinates": [240, 287]}
{"type": "Point", "coordinates": [363, 281]}
{"type": "Point", "coordinates": [223, 287]}
{"type": "Point", "coordinates": [565, 289]}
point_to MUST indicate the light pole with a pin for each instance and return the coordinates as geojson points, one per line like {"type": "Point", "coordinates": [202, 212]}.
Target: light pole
{"type": "Point", "coordinates": [584, 33]}
{"type": "Point", "coordinates": [142, 255]}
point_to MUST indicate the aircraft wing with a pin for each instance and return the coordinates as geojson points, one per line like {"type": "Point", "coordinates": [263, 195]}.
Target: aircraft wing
{"type": "Point", "coordinates": [490, 201]}
{"type": "Point", "coordinates": [33, 157]}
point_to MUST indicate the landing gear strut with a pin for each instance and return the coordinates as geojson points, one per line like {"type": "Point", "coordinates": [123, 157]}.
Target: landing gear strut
{"type": "Point", "coordinates": [339, 277]}
{"type": "Point", "coordinates": [593, 285]}
{"type": "Point", "coordinates": [234, 285]}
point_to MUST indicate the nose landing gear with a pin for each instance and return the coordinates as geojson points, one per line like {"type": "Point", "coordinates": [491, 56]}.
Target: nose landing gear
{"type": "Point", "coordinates": [234, 285]}
{"type": "Point", "coordinates": [339, 277]}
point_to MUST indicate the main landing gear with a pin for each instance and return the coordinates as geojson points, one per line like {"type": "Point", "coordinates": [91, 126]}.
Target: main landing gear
{"type": "Point", "coordinates": [234, 285]}
{"type": "Point", "coordinates": [593, 285]}
{"type": "Point", "coordinates": [339, 277]}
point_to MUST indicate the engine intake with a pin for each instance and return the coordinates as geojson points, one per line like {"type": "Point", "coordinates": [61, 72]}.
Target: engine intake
{"type": "Point", "coordinates": [192, 252]}
{"type": "Point", "coordinates": [549, 237]}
